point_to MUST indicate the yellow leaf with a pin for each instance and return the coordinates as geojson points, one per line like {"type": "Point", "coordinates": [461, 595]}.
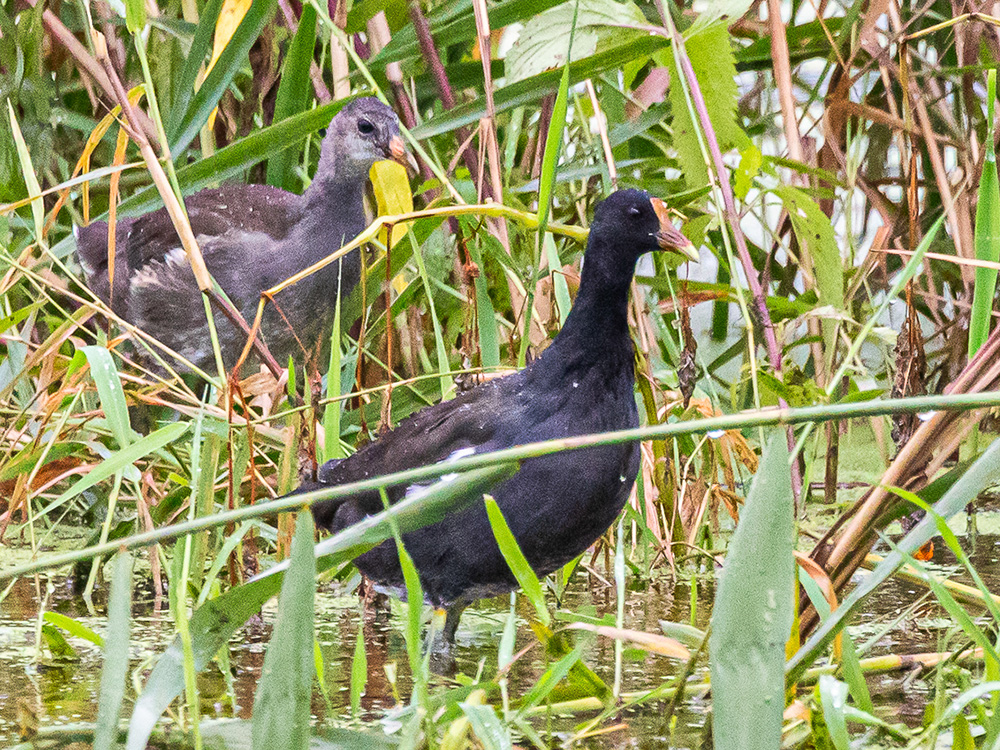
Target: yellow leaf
{"type": "Point", "coordinates": [229, 18]}
{"type": "Point", "coordinates": [225, 26]}
{"type": "Point", "coordinates": [392, 192]}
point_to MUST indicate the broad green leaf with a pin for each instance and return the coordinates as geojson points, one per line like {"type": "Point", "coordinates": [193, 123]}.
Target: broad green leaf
{"type": "Point", "coordinates": [753, 612]}
{"type": "Point", "coordinates": [544, 41]}
{"type": "Point", "coordinates": [215, 622]}
{"type": "Point", "coordinates": [115, 669]}
{"type": "Point", "coordinates": [518, 563]}
{"type": "Point", "coordinates": [281, 704]}
{"type": "Point", "coordinates": [987, 233]}
{"type": "Point", "coordinates": [294, 93]}
{"type": "Point", "coordinates": [817, 240]}
{"type": "Point", "coordinates": [711, 54]}
{"type": "Point", "coordinates": [730, 10]}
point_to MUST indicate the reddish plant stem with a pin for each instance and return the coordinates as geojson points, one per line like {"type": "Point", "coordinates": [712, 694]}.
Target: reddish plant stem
{"type": "Point", "coordinates": [430, 53]}
{"type": "Point", "coordinates": [753, 279]}
{"type": "Point", "coordinates": [292, 22]}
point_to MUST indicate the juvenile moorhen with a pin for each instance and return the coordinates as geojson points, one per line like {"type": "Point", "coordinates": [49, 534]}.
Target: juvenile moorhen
{"type": "Point", "coordinates": [252, 237]}
{"type": "Point", "coordinates": [556, 505]}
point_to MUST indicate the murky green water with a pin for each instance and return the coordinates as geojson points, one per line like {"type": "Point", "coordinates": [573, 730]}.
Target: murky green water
{"type": "Point", "coordinates": [64, 692]}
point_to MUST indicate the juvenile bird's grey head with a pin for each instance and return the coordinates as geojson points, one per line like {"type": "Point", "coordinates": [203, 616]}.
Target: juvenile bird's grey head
{"type": "Point", "coordinates": [363, 132]}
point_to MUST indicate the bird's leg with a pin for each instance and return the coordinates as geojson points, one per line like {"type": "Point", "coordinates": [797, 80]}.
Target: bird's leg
{"type": "Point", "coordinates": [454, 614]}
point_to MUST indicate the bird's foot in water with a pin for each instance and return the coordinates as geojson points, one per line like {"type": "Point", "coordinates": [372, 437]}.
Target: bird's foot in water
{"type": "Point", "coordinates": [442, 641]}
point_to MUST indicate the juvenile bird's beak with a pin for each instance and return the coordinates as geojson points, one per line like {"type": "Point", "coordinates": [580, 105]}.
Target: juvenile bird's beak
{"type": "Point", "coordinates": [397, 150]}
{"type": "Point", "coordinates": [669, 237]}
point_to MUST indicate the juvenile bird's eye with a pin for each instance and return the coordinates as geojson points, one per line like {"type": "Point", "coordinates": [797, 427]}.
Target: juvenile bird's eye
{"type": "Point", "coordinates": [365, 127]}
{"type": "Point", "coordinates": [634, 210]}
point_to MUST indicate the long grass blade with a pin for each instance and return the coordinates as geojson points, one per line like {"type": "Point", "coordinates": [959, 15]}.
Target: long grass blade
{"type": "Point", "coordinates": [281, 705]}
{"type": "Point", "coordinates": [293, 96]}
{"type": "Point", "coordinates": [987, 234]}
{"type": "Point", "coordinates": [115, 670]}
{"type": "Point", "coordinates": [518, 563]}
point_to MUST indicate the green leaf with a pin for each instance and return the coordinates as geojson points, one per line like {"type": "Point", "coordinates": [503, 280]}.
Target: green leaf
{"type": "Point", "coordinates": [294, 93]}
{"type": "Point", "coordinates": [215, 622]}
{"type": "Point", "coordinates": [714, 66]}
{"type": "Point", "coordinates": [518, 563]}
{"type": "Point", "coordinates": [217, 81]}
{"type": "Point", "coordinates": [550, 167]}
{"type": "Point", "coordinates": [486, 320]}
{"type": "Point", "coordinates": [28, 173]}
{"type": "Point", "coordinates": [732, 10]}
{"type": "Point", "coordinates": [135, 15]}
{"type": "Point", "coordinates": [961, 734]}
{"type": "Point", "coordinates": [833, 697]}
{"type": "Point", "coordinates": [115, 670]}
{"type": "Point", "coordinates": [281, 705]}
{"type": "Point", "coordinates": [73, 627]}
{"type": "Point", "coordinates": [359, 669]}
{"type": "Point", "coordinates": [817, 240]}
{"type": "Point", "coordinates": [544, 41]}
{"type": "Point", "coordinates": [753, 612]}
{"type": "Point", "coordinates": [201, 45]}
{"type": "Point", "coordinates": [331, 411]}
{"type": "Point", "coordinates": [487, 726]}
{"type": "Point", "coordinates": [987, 233]}
{"type": "Point", "coordinates": [109, 389]}
{"type": "Point", "coordinates": [552, 677]}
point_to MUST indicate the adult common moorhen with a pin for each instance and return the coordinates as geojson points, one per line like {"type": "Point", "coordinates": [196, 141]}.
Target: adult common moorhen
{"type": "Point", "coordinates": [252, 237]}
{"type": "Point", "coordinates": [556, 505]}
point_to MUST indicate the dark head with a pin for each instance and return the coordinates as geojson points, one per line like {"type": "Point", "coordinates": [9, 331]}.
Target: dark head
{"type": "Point", "coordinates": [363, 132]}
{"type": "Point", "coordinates": [627, 225]}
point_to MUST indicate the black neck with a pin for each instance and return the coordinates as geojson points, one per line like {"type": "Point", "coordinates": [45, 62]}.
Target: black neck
{"type": "Point", "coordinates": [599, 318]}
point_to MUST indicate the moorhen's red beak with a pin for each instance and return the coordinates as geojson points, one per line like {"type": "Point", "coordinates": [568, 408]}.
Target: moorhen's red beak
{"type": "Point", "coordinates": [397, 150]}
{"type": "Point", "coordinates": [669, 237]}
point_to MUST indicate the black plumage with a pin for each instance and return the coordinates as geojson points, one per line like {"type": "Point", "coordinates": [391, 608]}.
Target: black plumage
{"type": "Point", "coordinates": [556, 505]}
{"type": "Point", "coordinates": [252, 237]}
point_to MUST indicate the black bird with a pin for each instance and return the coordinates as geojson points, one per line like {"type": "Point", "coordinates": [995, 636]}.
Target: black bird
{"type": "Point", "coordinates": [556, 505]}
{"type": "Point", "coordinates": [252, 237]}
